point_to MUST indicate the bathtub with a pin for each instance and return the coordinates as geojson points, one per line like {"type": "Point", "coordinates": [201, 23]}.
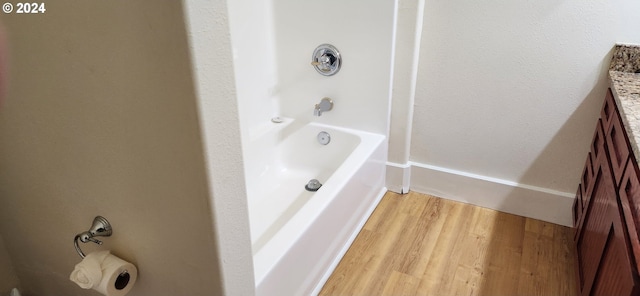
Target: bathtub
{"type": "Point", "coordinates": [298, 237]}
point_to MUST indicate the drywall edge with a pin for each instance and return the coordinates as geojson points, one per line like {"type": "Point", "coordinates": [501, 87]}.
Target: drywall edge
{"type": "Point", "coordinates": [212, 66]}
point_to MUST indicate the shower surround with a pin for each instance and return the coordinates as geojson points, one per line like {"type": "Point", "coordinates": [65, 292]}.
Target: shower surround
{"type": "Point", "coordinates": [299, 236]}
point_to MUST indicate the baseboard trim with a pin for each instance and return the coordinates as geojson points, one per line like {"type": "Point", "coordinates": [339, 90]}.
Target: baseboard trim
{"type": "Point", "coordinates": [502, 195]}
{"type": "Point", "coordinates": [398, 177]}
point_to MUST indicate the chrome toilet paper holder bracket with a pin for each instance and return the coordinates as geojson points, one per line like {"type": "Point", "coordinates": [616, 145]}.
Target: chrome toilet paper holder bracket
{"type": "Point", "coordinates": [99, 227]}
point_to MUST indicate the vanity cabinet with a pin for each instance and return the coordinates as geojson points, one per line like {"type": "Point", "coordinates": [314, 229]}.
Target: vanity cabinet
{"type": "Point", "coordinates": [606, 211]}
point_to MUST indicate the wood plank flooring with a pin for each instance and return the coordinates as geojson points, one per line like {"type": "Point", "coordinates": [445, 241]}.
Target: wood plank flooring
{"type": "Point", "coordinates": [416, 244]}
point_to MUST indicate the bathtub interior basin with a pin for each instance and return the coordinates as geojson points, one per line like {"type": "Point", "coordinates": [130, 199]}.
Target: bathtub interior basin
{"type": "Point", "coordinates": [298, 234]}
{"type": "Point", "coordinates": [279, 191]}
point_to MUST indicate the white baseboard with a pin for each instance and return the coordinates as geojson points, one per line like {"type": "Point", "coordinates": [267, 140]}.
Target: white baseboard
{"type": "Point", "coordinates": [502, 195]}
{"type": "Point", "coordinates": [398, 177]}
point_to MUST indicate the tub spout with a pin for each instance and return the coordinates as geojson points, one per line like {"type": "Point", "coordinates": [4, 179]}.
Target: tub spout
{"type": "Point", "coordinates": [326, 104]}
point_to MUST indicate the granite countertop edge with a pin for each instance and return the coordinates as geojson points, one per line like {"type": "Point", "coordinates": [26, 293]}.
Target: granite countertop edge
{"type": "Point", "coordinates": [628, 104]}
{"type": "Point", "coordinates": [624, 81]}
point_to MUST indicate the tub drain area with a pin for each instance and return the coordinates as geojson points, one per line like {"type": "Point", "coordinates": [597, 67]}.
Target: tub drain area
{"type": "Point", "coordinates": [323, 138]}
{"type": "Point", "coordinates": [313, 185]}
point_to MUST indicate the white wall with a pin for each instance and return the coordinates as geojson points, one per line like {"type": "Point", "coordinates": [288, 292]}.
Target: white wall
{"type": "Point", "coordinates": [407, 51]}
{"type": "Point", "coordinates": [102, 119]}
{"type": "Point", "coordinates": [512, 90]}
{"type": "Point", "coordinates": [254, 65]}
{"type": "Point", "coordinates": [253, 47]}
{"type": "Point", "coordinates": [362, 32]}
{"type": "Point", "coordinates": [272, 46]}
{"type": "Point", "coordinates": [208, 30]}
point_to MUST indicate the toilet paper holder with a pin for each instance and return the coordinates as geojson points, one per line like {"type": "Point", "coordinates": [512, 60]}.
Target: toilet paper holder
{"type": "Point", "coordinates": [99, 227]}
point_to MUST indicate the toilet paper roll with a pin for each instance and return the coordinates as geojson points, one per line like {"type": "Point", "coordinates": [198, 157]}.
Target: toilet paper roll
{"type": "Point", "coordinates": [117, 276]}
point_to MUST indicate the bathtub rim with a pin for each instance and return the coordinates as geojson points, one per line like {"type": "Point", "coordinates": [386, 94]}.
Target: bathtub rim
{"type": "Point", "coordinates": [281, 242]}
{"type": "Point", "coordinates": [332, 267]}
{"type": "Point", "coordinates": [297, 158]}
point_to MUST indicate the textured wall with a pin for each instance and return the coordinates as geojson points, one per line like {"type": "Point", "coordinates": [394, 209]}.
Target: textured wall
{"type": "Point", "coordinates": [101, 119]}
{"type": "Point", "coordinates": [513, 90]}
{"type": "Point", "coordinates": [220, 128]}
{"type": "Point", "coordinates": [8, 278]}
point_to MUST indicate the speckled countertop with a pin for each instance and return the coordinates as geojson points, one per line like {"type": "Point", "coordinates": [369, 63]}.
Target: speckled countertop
{"type": "Point", "coordinates": [624, 73]}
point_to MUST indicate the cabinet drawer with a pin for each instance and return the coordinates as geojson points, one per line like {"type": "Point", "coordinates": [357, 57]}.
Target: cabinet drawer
{"type": "Point", "coordinates": [618, 147]}
{"type": "Point", "coordinates": [577, 212]}
{"type": "Point", "coordinates": [587, 181]}
{"type": "Point", "coordinates": [629, 194]}
{"type": "Point", "coordinates": [608, 110]}
{"type": "Point", "coordinates": [577, 207]}
{"type": "Point", "coordinates": [598, 143]}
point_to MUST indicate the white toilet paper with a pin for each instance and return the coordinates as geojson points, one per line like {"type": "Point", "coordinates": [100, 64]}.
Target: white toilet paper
{"type": "Point", "coordinates": [105, 273]}
{"type": "Point", "coordinates": [88, 273]}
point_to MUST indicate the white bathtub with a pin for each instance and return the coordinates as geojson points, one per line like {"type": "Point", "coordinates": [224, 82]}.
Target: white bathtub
{"type": "Point", "coordinates": [299, 236]}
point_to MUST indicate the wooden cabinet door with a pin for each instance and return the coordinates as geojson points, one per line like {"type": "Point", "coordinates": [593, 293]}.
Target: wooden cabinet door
{"type": "Point", "coordinates": [605, 265]}
{"type": "Point", "coordinates": [606, 210]}
{"type": "Point", "coordinates": [615, 275]}
{"type": "Point", "coordinates": [598, 143]}
{"type": "Point", "coordinates": [608, 110]}
{"type": "Point", "coordinates": [629, 194]}
{"type": "Point", "coordinates": [618, 147]}
{"type": "Point", "coordinates": [588, 174]}
{"type": "Point", "coordinates": [595, 228]}
{"type": "Point", "coordinates": [577, 209]}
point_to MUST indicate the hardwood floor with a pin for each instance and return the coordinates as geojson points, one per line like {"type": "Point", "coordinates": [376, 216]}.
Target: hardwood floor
{"type": "Point", "coordinates": [416, 244]}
